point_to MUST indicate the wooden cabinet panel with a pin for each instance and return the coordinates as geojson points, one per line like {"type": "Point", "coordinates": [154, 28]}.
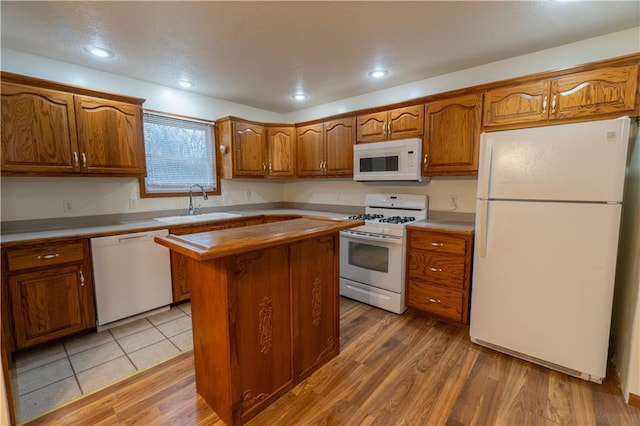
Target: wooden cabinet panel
{"type": "Point", "coordinates": [44, 255]}
{"type": "Point", "coordinates": [339, 136]}
{"type": "Point", "coordinates": [109, 136]}
{"type": "Point", "coordinates": [452, 136]}
{"type": "Point", "coordinates": [442, 269]}
{"type": "Point", "coordinates": [326, 149]}
{"type": "Point", "coordinates": [52, 297]}
{"type": "Point", "coordinates": [38, 130]}
{"type": "Point", "coordinates": [248, 150]}
{"type": "Point", "coordinates": [310, 150]}
{"type": "Point", "coordinates": [441, 301]}
{"type": "Point", "coordinates": [372, 127]}
{"type": "Point", "coordinates": [517, 104]}
{"type": "Point", "coordinates": [406, 122]}
{"type": "Point", "coordinates": [597, 92]}
{"type": "Point", "coordinates": [281, 148]}
{"type": "Point", "coordinates": [262, 326]}
{"type": "Point", "coordinates": [316, 303]}
{"type": "Point", "coordinates": [439, 272]}
{"type": "Point", "coordinates": [438, 242]}
{"type": "Point", "coordinates": [51, 129]}
{"type": "Point", "coordinates": [603, 92]}
{"type": "Point", "coordinates": [399, 123]}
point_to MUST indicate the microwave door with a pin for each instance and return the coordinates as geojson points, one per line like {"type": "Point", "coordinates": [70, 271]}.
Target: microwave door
{"type": "Point", "coordinates": [384, 164]}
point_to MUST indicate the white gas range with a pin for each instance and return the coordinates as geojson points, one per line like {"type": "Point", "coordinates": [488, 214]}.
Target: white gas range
{"type": "Point", "coordinates": [372, 256]}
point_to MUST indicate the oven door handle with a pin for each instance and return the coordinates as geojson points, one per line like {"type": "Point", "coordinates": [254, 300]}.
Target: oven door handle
{"type": "Point", "coordinates": [389, 241]}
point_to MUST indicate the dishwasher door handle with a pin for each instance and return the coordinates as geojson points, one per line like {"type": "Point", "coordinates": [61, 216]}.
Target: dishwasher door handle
{"type": "Point", "coordinates": [136, 238]}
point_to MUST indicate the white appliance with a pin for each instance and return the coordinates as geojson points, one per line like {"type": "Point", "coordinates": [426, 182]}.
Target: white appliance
{"type": "Point", "coordinates": [132, 275]}
{"type": "Point", "coordinates": [372, 256]}
{"type": "Point", "coordinates": [547, 224]}
{"type": "Point", "coordinates": [393, 160]}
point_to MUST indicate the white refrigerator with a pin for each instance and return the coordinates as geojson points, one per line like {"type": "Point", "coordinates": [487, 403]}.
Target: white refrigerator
{"type": "Point", "coordinates": [547, 223]}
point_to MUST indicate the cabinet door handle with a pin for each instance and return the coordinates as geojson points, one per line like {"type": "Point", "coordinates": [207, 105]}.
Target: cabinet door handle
{"type": "Point", "coordinates": [433, 300]}
{"type": "Point", "coordinates": [264, 168]}
{"type": "Point", "coordinates": [437, 243]}
{"type": "Point", "coordinates": [384, 128]}
{"type": "Point", "coordinates": [76, 163]}
{"type": "Point", "coordinates": [48, 256]}
{"type": "Point", "coordinates": [270, 169]}
{"type": "Point", "coordinates": [324, 166]}
{"type": "Point", "coordinates": [84, 160]}
{"type": "Point", "coordinates": [389, 128]}
{"type": "Point", "coordinates": [425, 160]}
{"type": "Point", "coordinates": [81, 279]}
{"type": "Point", "coordinates": [432, 269]}
{"type": "Point", "coordinates": [553, 104]}
{"type": "Point", "coordinates": [544, 104]}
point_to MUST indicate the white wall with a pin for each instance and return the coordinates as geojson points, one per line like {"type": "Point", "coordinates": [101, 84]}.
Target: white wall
{"type": "Point", "coordinates": [348, 192]}
{"type": "Point", "coordinates": [626, 309]}
{"type": "Point", "coordinates": [590, 50]}
{"type": "Point", "coordinates": [38, 198]}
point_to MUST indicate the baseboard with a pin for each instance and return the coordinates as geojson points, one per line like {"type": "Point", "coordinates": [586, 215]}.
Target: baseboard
{"type": "Point", "coordinates": [634, 400]}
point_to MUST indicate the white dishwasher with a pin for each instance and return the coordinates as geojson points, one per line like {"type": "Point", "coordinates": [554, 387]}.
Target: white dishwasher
{"type": "Point", "coordinates": [132, 275]}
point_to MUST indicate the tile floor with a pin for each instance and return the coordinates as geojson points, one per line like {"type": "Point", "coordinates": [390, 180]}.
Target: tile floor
{"type": "Point", "coordinates": [56, 374]}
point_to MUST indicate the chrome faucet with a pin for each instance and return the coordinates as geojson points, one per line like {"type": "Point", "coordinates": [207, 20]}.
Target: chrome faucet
{"type": "Point", "coordinates": [194, 210]}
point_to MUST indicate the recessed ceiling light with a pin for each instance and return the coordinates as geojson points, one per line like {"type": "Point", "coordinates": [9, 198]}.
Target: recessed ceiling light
{"type": "Point", "coordinates": [99, 52]}
{"type": "Point", "coordinates": [185, 83]}
{"type": "Point", "coordinates": [299, 96]}
{"type": "Point", "coordinates": [379, 73]}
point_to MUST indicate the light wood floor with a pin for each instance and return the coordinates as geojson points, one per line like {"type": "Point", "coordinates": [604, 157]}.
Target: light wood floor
{"type": "Point", "coordinates": [392, 370]}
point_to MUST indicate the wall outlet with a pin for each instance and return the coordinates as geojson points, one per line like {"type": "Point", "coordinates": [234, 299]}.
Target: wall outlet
{"type": "Point", "coordinates": [67, 206]}
{"type": "Point", "coordinates": [453, 202]}
{"type": "Point", "coordinates": [133, 202]}
{"type": "Point", "coordinates": [248, 194]}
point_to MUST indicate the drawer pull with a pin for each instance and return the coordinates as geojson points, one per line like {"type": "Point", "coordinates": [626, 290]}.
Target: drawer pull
{"type": "Point", "coordinates": [432, 269]}
{"type": "Point", "coordinates": [48, 256]}
{"type": "Point", "coordinates": [437, 243]}
{"type": "Point", "coordinates": [433, 300]}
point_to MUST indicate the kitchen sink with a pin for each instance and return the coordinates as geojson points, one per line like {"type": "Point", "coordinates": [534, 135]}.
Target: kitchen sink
{"type": "Point", "coordinates": [196, 217]}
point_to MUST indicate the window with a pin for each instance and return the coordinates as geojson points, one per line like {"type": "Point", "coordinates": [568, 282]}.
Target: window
{"type": "Point", "coordinates": [179, 153]}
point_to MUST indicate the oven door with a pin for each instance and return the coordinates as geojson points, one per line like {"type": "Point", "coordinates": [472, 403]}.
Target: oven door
{"type": "Point", "coordinates": [372, 260]}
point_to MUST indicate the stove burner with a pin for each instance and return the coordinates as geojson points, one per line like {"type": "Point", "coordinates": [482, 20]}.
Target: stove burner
{"type": "Point", "coordinates": [397, 219]}
{"type": "Point", "coordinates": [366, 216]}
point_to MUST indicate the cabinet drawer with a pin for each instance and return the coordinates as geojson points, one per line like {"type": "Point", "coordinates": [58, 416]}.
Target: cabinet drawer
{"type": "Point", "coordinates": [440, 301]}
{"type": "Point", "coordinates": [437, 241]}
{"type": "Point", "coordinates": [437, 268]}
{"type": "Point", "coordinates": [44, 255]}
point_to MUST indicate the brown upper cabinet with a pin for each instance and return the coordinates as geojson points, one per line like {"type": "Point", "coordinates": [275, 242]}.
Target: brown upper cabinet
{"type": "Point", "coordinates": [53, 131]}
{"type": "Point", "coordinates": [452, 136]}
{"type": "Point", "coordinates": [326, 149]}
{"type": "Point", "coordinates": [604, 92]}
{"type": "Point", "coordinates": [254, 150]}
{"type": "Point", "coordinates": [399, 123]}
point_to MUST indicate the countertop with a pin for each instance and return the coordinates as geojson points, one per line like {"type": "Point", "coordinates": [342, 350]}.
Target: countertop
{"type": "Point", "coordinates": [444, 225]}
{"type": "Point", "coordinates": [144, 225]}
{"type": "Point", "coordinates": [210, 245]}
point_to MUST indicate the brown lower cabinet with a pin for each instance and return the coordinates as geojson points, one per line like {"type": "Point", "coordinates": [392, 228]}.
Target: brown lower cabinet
{"type": "Point", "coordinates": [266, 320]}
{"type": "Point", "coordinates": [50, 291]}
{"type": "Point", "coordinates": [439, 272]}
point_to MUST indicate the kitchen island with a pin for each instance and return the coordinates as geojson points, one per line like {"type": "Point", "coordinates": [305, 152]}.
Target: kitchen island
{"type": "Point", "coordinates": [265, 309]}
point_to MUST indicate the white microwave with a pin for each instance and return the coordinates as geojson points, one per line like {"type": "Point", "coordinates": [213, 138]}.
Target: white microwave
{"type": "Point", "coordinates": [393, 160]}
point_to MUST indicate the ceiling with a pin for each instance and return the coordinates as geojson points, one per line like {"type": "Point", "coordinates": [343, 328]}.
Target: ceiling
{"type": "Point", "coordinates": [260, 53]}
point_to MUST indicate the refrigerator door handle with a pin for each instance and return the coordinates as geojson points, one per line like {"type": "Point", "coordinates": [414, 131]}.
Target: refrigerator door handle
{"type": "Point", "coordinates": [483, 225]}
{"type": "Point", "coordinates": [484, 178]}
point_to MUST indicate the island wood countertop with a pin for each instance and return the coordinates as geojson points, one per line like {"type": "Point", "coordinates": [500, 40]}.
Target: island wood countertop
{"type": "Point", "coordinates": [210, 245]}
